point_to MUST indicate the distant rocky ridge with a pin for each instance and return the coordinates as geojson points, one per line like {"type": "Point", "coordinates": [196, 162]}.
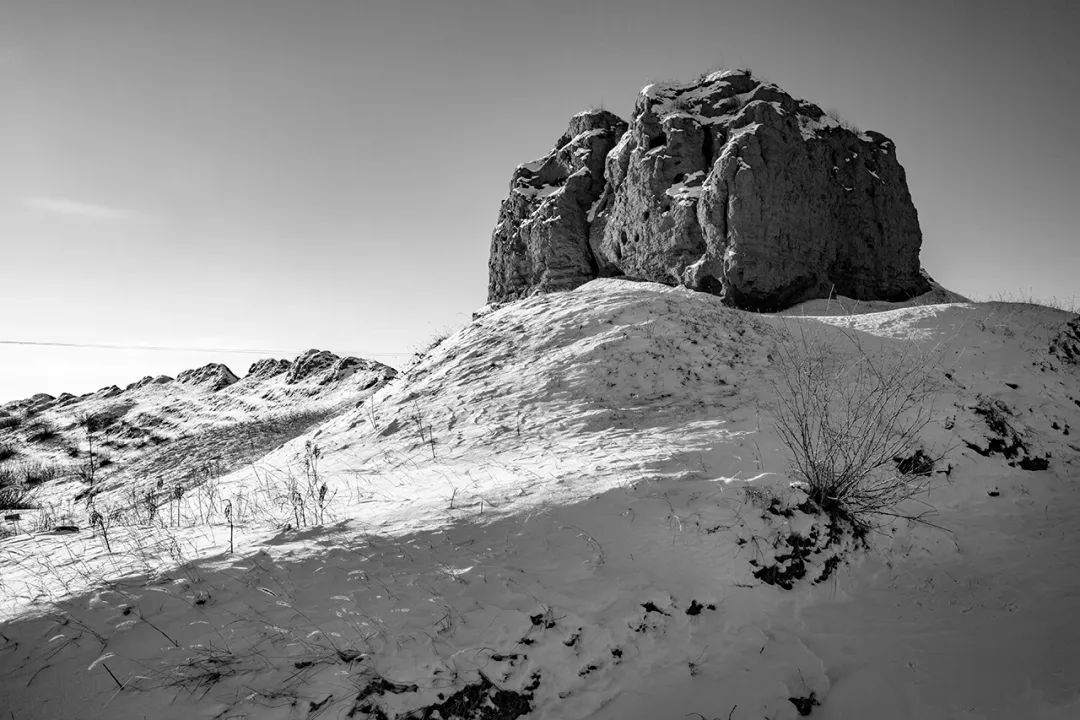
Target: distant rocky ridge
{"type": "Point", "coordinates": [319, 366]}
{"type": "Point", "coordinates": [727, 185]}
{"type": "Point", "coordinates": [203, 412]}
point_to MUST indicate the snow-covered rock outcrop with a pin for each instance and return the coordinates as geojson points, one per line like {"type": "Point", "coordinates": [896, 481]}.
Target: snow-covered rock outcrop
{"type": "Point", "coordinates": [213, 377]}
{"type": "Point", "coordinates": [727, 185]}
{"type": "Point", "coordinates": [158, 428]}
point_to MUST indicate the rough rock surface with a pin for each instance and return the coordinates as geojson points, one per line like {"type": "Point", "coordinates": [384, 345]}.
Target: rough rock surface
{"type": "Point", "coordinates": [267, 367]}
{"type": "Point", "coordinates": [541, 240]}
{"type": "Point", "coordinates": [213, 377]}
{"type": "Point", "coordinates": [149, 380]}
{"type": "Point", "coordinates": [1066, 343]}
{"type": "Point", "coordinates": [727, 185]}
{"type": "Point", "coordinates": [326, 367]}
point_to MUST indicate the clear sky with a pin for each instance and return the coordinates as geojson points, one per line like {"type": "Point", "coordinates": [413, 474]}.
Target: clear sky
{"type": "Point", "coordinates": [278, 175]}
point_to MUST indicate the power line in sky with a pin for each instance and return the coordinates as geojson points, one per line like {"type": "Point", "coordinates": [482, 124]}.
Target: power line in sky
{"type": "Point", "coordinates": [167, 348]}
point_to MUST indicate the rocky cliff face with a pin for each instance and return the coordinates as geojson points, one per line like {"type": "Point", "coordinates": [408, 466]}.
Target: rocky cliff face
{"type": "Point", "coordinates": [727, 185]}
{"type": "Point", "coordinates": [541, 242]}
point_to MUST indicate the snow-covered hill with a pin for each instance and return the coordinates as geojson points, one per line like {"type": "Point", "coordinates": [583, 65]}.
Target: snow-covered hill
{"type": "Point", "coordinates": [161, 432]}
{"type": "Point", "coordinates": [578, 507]}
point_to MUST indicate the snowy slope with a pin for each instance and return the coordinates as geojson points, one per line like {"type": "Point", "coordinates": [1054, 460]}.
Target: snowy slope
{"type": "Point", "coordinates": [565, 511]}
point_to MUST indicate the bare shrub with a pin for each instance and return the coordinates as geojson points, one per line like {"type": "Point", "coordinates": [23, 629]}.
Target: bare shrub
{"type": "Point", "coordinates": [13, 494]}
{"type": "Point", "coordinates": [36, 473]}
{"type": "Point", "coordinates": [283, 498]}
{"type": "Point", "coordinates": [41, 431]}
{"type": "Point", "coordinates": [846, 418]}
{"type": "Point", "coordinates": [53, 514]}
{"type": "Point", "coordinates": [427, 348]}
{"type": "Point", "coordinates": [704, 75]}
{"type": "Point", "coordinates": [1028, 297]}
{"type": "Point", "coordinates": [316, 489]}
{"type": "Point", "coordinates": [18, 479]}
{"type": "Point", "coordinates": [89, 423]}
{"type": "Point", "coordinates": [102, 521]}
{"type": "Point", "coordinates": [142, 505]}
{"type": "Point", "coordinates": [309, 498]}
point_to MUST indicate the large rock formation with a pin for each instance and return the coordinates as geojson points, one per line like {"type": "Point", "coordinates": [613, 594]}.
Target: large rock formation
{"type": "Point", "coordinates": [727, 185]}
